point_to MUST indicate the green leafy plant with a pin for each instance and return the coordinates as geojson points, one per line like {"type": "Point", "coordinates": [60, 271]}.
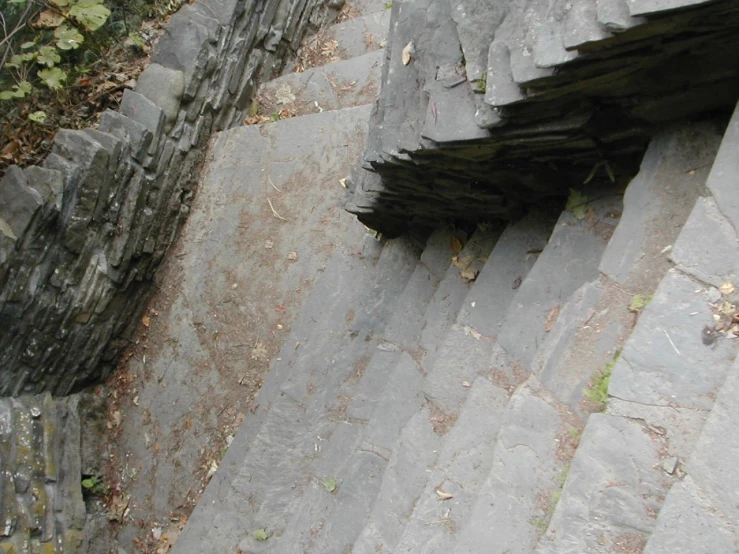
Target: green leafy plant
{"type": "Point", "coordinates": [59, 26]}
{"type": "Point", "coordinates": [597, 391]}
{"type": "Point", "coordinates": [261, 535]}
{"type": "Point", "coordinates": [95, 486]}
{"type": "Point", "coordinates": [577, 204]}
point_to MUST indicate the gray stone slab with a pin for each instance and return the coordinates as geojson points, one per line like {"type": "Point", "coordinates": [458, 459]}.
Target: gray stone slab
{"type": "Point", "coordinates": [688, 524]}
{"type": "Point", "coordinates": [570, 259]}
{"type": "Point", "coordinates": [404, 327]}
{"type": "Point", "coordinates": [722, 181]}
{"type": "Point", "coordinates": [614, 488]}
{"type": "Point", "coordinates": [522, 43]}
{"type": "Point", "coordinates": [476, 22]}
{"type": "Point", "coordinates": [444, 307]}
{"type": "Point", "coordinates": [711, 465]}
{"type": "Point", "coordinates": [343, 451]}
{"type": "Point", "coordinates": [549, 50]}
{"type": "Point", "coordinates": [501, 89]}
{"type": "Point", "coordinates": [653, 7]}
{"type": "Point", "coordinates": [581, 25]}
{"type": "Point", "coordinates": [450, 114]}
{"type": "Point", "coordinates": [465, 460]}
{"type": "Point", "coordinates": [360, 35]}
{"type": "Point", "coordinates": [525, 473]}
{"type": "Point", "coordinates": [18, 202]}
{"type": "Point", "coordinates": [341, 84]}
{"type": "Point", "coordinates": [566, 384]}
{"type": "Point", "coordinates": [665, 361]}
{"type": "Point", "coordinates": [164, 87]}
{"type": "Point", "coordinates": [652, 214]}
{"type": "Point", "coordinates": [403, 483]}
{"type": "Point", "coordinates": [707, 226]}
{"type": "Point", "coordinates": [614, 16]}
{"type": "Point", "coordinates": [49, 183]}
{"type": "Point", "coordinates": [139, 108]}
{"type": "Point", "coordinates": [507, 266]}
{"type": "Point", "coordinates": [462, 355]}
{"type": "Point", "coordinates": [438, 254]}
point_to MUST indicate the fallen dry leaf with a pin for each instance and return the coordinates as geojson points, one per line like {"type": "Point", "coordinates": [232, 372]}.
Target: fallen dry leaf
{"type": "Point", "coordinates": [456, 247]}
{"type": "Point", "coordinates": [145, 320]}
{"type": "Point", "coordinates": [727, 288]}
{"type": "Point", "coordinates": [516, 283]}
{"type": "Point", "coordinates": [551, 318]}
{"type": "Point", "coordinates": [442, 494]}
{"type": "Point", "coordinates": [466, 384]}
{"type": "Point", "coordinates": [469, 274]}
{"type": "Point", "coordinates": [407, 53]}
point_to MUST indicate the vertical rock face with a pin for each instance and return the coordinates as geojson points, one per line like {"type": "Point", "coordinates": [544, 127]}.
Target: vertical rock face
{"type": "Point", "coordinates": [489, 106]}
{"type": "Point", "coordinates": [81, 237]}
{"type": "Point", "coordinates": [41, 505]}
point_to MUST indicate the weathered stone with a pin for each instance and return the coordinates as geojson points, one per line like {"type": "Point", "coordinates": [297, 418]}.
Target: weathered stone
{"type": "Point", "coordinates": [613, 486]}
{"type": "Point", "coordinates": [722, 181]}
{"type": "Point", "coordinates": [142, 110]}
{"type": "Point", "coordinates": [665, 361]}
{"type": "Point", "coordinates": [18, 202]}
{"type": "Point", "coordinates": [123, 127]}
{"type": "Point", "coordinates": [689, 524]}
{"type": "Point", "coordinates": [164, 87]}
{"type": "Point", "coordinates": [614, 16]}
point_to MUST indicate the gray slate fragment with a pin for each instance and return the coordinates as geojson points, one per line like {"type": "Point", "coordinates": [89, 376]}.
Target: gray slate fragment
{"type": "Point", "coordinates": [665, 362]}
{"type": "Point", "coordinates": [476, 22]}
{"type": "Point", "coordinates": [525, 471]}
{"type": "Point", "coordinates": [613, 486]}
{"type": "Point", "coordinates": [688, 524]}
{"type": "Point", "coordinates": [501, 89]}
{"type": "Point", "coordinates": [723, 181]}
{"type": "Point", "coordinates": [18, 202]}
{"type": "Point", "coordinates": [653, 7]}
{"type": "Point", "coordinates": [123, 127]}
{"type": "Point", "coordinates": [712, 465]}
{"type": "Point", "coordinates": [504, 271]}
{"type": "Point", "coordinates": [138, 108]}
{"type": "Point", "coordinates": [49, 183]}
{"type": "Point", "coordinates": [164, 87]}
{"type": "Point", "coordinates": [549, 50]}
{"type": "Point", "coordinates": [707, 226]}
{"type": "Point", "coordinates": [581, 25]}
{"type": "Point", "coordinates": [614, 16]}
{"type": "Point", "coordinates": [464, 463]}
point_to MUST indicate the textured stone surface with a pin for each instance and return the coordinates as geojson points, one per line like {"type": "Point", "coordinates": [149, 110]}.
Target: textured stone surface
{"type": "Point", "coordinates": [164, 87]}
{"type": "Point", "coordinates": [525, 472]}
{"type": "Point", "coordinates": [688, 524]}
{"type": "Point", "coordinates": [665, 361]}
{"type": "Point", "coordinates": [41, 502]}
{"type": "Point", "coordinates": [463, 465]}
{"type": "Point", "coordinates": [614, 487]}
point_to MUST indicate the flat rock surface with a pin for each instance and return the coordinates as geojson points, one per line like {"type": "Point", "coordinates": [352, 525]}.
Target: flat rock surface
{"type": "Point", "coordinates": [229, 296]}
{"type": "Point", "coordinates": [614, 488]}
{"type": "Point", "coordinates": [665, 361]}
{"type": "Point", "coordinates": [689, 524]}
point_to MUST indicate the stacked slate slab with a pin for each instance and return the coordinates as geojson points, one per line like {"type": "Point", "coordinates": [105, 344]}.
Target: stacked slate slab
{"type": "Point", "coordinates": [489, 106]}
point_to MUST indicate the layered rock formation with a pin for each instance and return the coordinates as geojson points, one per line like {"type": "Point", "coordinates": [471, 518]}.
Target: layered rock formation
{"type": "Point", "coordinates": [489, 106]}
{"type": "Point", "coordinates": [82, 236]}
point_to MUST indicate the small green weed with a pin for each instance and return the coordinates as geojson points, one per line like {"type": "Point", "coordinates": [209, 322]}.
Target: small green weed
{"type": "Point", "coordinates": [388, 5]}
{"type": "Point", "coordinates": [639, 302]}
{"type": "Point", "coordinates": [261, 535]}
{"type": "Point", "coordinates": [597, 392]}
{"type": "Point", "coordinates": [482, 84]}
{"type": "Point", "coordinates": [94, 485]}
{"type": "Point", "coordinates": [330, 484]}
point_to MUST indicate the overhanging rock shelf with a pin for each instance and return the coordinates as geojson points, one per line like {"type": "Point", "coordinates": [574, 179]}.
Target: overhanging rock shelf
{"type": "Point", "coordinates": [488, 106]}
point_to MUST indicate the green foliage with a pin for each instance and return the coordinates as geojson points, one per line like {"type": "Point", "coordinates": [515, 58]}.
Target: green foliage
{"type": "Point", "coordinates": [597, 392]}
{"type": "Point", "coordinates": [52, 78]}
{"type": "Point", "coordinates": [604, 164]}
{"type": "Point", "coordinates": [261, 535]}
{"type": "Point", "coordinates": [95, 486]}
{"type": "Point", "coordinates": [329, 484]}
{"type": "Point", "coordinates": [639, 302]}
{"type": "Point", "coordinates": [38, 116]}
{"type": "Point", "coordinates": [72, 21]}
{"type": "Point", "coordinates": [482, 84]}
{"type": "Point", "coordinates": [577, 204]}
